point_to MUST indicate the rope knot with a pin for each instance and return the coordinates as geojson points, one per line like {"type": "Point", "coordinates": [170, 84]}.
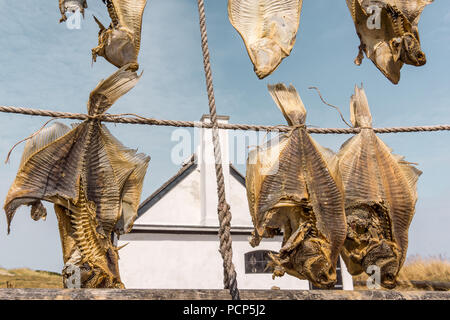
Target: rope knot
{"type": "Point", "coordinates": [298, 126]}
{"type": "Point", "coordinates": [95, 117]}
{"type": "Point", "coordinates": [291, 129]}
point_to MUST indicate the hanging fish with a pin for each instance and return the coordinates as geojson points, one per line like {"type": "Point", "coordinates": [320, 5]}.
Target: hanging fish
{"type": "Point", "coordinates": [293, 185]}
{"type": "Point", "coordinates": [268, 28]}
{"type": "Point", "coordinates": [120, 43]}
{"type": "Point", "coordinates": [380, 198]}
{"type": "Point", "coordinates": [71, 6]}
{"type": "Point", "coordinates": [93, 180]}
{"type": "Point", "coordinates": [389, 34]}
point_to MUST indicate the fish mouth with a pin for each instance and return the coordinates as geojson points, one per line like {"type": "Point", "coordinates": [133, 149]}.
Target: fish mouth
{"type": "Point", "coordinates": [324, 280]}
{"type": "Point", "coordinates": [264, 68]}
{"type": "Point", "coordinates": [389, 281]}
{"type": "Point", "coordinates": [413, 54]}
{"type": "Point", "coordinates": [261, 74]}
{"type": "Point", "coordinates": [320, 273]}
{"type": "Point", "coordinates": [73, 7]}
{"type": "Point", "coordinates": [266, 56]}
{"type": "Point", "coordinates": [383, 257]}
{"type": "Point", "coordinates": [420, 60]}
{"type": "Point", "coordinates": [416, 60]}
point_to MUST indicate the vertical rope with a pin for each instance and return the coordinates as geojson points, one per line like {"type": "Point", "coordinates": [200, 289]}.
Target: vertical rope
{"type": "Point", "coordinates": [223, 208]}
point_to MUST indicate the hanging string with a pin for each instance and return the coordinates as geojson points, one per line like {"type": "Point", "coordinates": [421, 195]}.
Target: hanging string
{"type": "Point", "coordinates": [223, 208]}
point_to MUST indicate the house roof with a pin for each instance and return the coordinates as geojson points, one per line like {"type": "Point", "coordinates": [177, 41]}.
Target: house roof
{"type": "Point", "coordinates": [170, 229]}
{"type": "Point", "coordinates": [236, 174]}
{"type": "Point", "coordinates": [185, 170]}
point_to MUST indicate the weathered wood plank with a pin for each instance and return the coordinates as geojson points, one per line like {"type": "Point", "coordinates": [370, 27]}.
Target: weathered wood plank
{"type": "Point", "coordinates": [145, 294]}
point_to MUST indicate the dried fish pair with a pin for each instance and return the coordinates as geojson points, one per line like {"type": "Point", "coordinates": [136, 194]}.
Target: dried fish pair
{"type": "Point", "coordinates": [293, 185]}
{"type": "Point", "coordinates": [296, 186]}
{"type": "Point", "coordinates": [94, 182]}
{"type": "Point", "coordinates": [380, 197]}
{"type": "Point", "coordinates": [268, 28]}
{"type": "Point", "coordinates": [120, 43]}
{"type": "Point", "coordinates": [71, 6]}
{"type": "Point", "coordinates": [389, 34]}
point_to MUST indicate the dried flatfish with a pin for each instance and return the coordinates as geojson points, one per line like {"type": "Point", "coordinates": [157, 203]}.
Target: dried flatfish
{"type": "Point", "coordinates": [71, 6]}
{"type": "Point", "coordinates": [389, 34]}
{"type": "Point", "coordinates": [380, 198]}
{"type": "Point", "coordinates": [93, 180]}
{"type": "Point", "coordinates": [120, 43]}
{"type": "Point", "coordinates": [293, 185]}
{"type": "Point", "coordinates": [268, 28]}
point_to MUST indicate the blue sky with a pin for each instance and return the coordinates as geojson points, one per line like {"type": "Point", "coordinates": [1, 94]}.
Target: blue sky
{"type": "Point", "coordinates": [47, 66]}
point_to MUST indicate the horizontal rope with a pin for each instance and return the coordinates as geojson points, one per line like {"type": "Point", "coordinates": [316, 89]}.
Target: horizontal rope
{"type": "Point", "coordinates": [135, 119]}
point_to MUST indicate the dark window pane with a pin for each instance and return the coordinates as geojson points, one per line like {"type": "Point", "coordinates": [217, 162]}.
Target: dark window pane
{"type": "Point", "coordinates": [257, 261]}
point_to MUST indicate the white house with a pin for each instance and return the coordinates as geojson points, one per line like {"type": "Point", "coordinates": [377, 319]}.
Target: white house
{"type": "Point", "coordinates": [174, 242]}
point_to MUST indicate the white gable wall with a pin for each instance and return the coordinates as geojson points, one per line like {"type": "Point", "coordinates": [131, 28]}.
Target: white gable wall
{"type": "Point", "coordinates": [237, 199]}
{"type": "Point", "coordinates": [192, 261]}
{"type": "Point", "coordinates": [180, 206]}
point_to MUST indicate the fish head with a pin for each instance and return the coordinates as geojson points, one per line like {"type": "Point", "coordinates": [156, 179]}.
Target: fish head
{"type": "Point", "coordinates": [312, 260]}
{"type": "Point", "coordinates": [74, 6]}
{"type": "Point", "coordinates": [266, 55]}
{"type": "Point", "coordinates": [38, 211]}
{"type": "Point", "coordinates": [101, 272]}
{"type": "Point", "coordinates": [412, 53]}
{"type": "Point", "coordinates": [97, 277]}
{"type": "Point", "coordinates": [357, 240]}
{"type": "Point", "coordinates": [367, 245]}
{"type": "Point", "coordinates": [385, 256]}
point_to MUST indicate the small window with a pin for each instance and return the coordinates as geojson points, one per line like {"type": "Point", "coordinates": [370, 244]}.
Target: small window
{"type": "Point", "coordinates": [257, 261]}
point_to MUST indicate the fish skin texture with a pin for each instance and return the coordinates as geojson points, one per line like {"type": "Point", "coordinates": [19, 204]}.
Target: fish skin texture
{"type": "Point", "coordinates": [268, 28]}
{"type": "Point", "coordinates": [291, 186]}
{"type": "Point", "coordinates": [380, 197]}
{"type": "Point", "coordinates": [397, 40]}
{"type": "Point", "coordinates": [93, 180]}
{"type": "Point", "coordinates": [120, 43]}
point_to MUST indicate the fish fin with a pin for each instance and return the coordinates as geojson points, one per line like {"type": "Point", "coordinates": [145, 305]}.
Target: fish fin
{"type": "Point", "coordinates": [289, 102]}
{"type": "Point", "coordinates": [130, 14]}
{"type": "Point", "coordinates": [110, 90]}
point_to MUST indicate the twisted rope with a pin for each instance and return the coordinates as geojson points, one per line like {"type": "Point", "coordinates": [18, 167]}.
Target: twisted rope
{"type": "Point", "coordinates": [134, 119]}
{"type": "Point", "coordinates": [223, 208]}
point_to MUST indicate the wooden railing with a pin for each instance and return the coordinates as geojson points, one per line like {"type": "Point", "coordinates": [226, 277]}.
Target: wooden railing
{"type": "Point", "coordinates": [146, 294]}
